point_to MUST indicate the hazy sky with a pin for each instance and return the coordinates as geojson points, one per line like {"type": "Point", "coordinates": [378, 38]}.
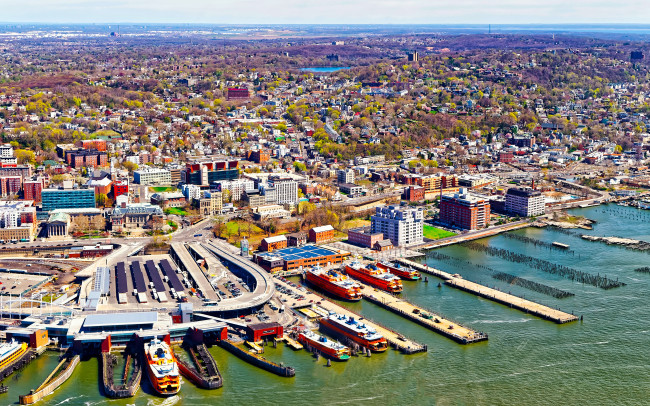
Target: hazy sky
{"type": "Point", "coordinates": [328, 11]}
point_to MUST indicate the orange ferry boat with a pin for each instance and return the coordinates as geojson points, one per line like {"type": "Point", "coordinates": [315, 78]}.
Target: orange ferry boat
{"type": "Point", "coordinates": [330, 349]}
{"type": "Point", "coordinates": [379, 278]}
{"type": "Point", "coordinates": [343, 326]}
{"type": "Point", "coordinates": [334, 282]}
{"type": "Point", "coordinates": [399, 270]}
{"type": "Point", "coordinates": [162, 368]}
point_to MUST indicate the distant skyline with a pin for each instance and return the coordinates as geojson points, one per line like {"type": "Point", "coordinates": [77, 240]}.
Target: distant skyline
{"type": "Point", "coordinates": [328, 12]}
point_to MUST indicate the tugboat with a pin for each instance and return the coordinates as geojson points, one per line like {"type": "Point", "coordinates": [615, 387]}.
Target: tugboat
{"type": "Point", "coordinates": [402, 271]}
{"type": "Point", "coordinates": [329, 349]}
{"type": "Point", "coordinates": [163, 369]}
{"type": "Point", "coordinates": [344, 326]}
{"type": "Point", "coordinates": [334, 282]}
{"type": "Point", "coordinates": [379, 278]}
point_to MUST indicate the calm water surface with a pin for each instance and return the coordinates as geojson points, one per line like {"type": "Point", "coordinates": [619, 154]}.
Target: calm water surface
{"type": "Point", "coordinates": [603, 360]}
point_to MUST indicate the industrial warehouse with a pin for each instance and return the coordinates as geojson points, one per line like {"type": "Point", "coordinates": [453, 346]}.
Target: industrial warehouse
{"type": "Point", "coordinates": [296, 258]}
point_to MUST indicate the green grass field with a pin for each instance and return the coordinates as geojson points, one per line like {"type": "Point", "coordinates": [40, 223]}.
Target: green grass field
{"type": "Point", "coordinates": [435, 233]}
{"type": "Point", "coordinates": [176, 211]}
{"type": "Point", "coordinates": [160, 189]}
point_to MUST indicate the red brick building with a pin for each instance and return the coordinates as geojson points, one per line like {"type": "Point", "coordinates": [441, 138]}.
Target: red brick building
{"type": "Point", "coordinates": [464, 210]}
{"type": "Point", "coordinates": [260, 156]}
{"type": "Point", "coordinates": [10, 185]}
{"type": "Point", "coordinates": [120, 187]}
{"type": "Point", "coordinates": [414, 193]}
{"type": "Point", "coordinates": [237, 94]}
{"type": "Point", "coordinates": [86, 158]}
{"type": "Point", "coordinates": [321, 234]}
{"type": "Point", "coordinates": [32, 190]}
{"type": "Point", "coordinates": [363, 237]}
{"type": "Point", "coordinates": [276, 242]}
{"type": "Point", "coordinates": [506, 157]}
{"type": "Point", "coordinates": [99, 145]}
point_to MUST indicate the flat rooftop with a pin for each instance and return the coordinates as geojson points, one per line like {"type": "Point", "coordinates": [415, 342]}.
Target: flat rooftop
{"type": "Point", "coordinates": [295, 253]}
{"type": "Point", "coordinates": [120, 319]}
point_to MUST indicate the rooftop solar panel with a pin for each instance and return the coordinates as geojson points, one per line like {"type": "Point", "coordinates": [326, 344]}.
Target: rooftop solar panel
{"type": "Point", "coordinates": [154, 276]}
{"type": "Point", "coordinates": [120, 275]}
{"type": "Point", "coordinates": [295, 253]}
{"type": "Point", "coordinates": [171, 274]}
{"type": "Point", "coordinates": [138, 277]}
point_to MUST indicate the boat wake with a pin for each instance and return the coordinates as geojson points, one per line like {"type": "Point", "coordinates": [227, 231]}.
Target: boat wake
{"type": "Point", "coordinates": [500, 321]}
{"type": "Point", "coordinates": [170, 401]}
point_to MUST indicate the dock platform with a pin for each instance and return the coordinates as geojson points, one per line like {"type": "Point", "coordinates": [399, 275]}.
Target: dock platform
{"type": "Point", "coordinates": [395, 339]}
{"type": "Point", "coordinates": [515, 302]}
{"type": "Point", "coordinates": [291, 342]}
{"type": "Point", "coordinates": [423, 317]}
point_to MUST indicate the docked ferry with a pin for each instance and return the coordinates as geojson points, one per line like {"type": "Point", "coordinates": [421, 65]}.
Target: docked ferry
{"type": "Point", "coordinates": [163, 369]}
{"type": "Point", "coordinates": [334, 282]}
{"type": "Point", "coordinates": [329, 349]}
{"type": "Point", "coordinates": [10, 352]}
{"type": "Point", "coordinates": [379, 278]}
{"type": "Point", "coordinates": [345, 326]}
{"type": "Point", "coordinates": [403, 272]}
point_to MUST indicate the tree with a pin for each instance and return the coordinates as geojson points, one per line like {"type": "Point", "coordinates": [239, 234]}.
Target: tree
{"type": "Point", "coordinates": [25, 156]}
{"type": "Point", "coordinates": [218, 228]}
{"type": "Point", "coordinates": [80, 224]}
{"type": "Point", "coordinates": [100, 199]}
{"type": "Point", "coordinates": [300, 167]}
{"type": "Point", "coordinates": [130, 166]}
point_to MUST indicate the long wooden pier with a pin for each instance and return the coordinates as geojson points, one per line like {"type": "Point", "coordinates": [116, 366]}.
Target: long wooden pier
{"type": "Point", "coordinates": [515, 302]}
{"type": "Point", "coordinates": [423, 317]}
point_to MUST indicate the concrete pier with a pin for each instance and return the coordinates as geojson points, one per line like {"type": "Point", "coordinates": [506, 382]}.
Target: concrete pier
{"type": "Point", "coordinates": [515, 302]}
{"type": "Point", "coordinates": [423, 317]}
{"type": "Point", "coordinates": [395, 339]}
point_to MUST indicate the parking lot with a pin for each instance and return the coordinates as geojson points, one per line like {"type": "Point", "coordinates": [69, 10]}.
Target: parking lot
{"type": "Point", "coordinates": [18, 283]}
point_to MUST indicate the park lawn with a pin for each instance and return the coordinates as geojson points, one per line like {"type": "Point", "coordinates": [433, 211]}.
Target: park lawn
{"type": "Point", "coordinates": [435, 233]}
{"type": "Point", "coordinates": [176, 211]}
{"type": "Point", "coordinates": [232, 228]}
{"type": "Point", "coordinates": [354, 223]}
{"type": "Point", "coordinates": [160, 189]}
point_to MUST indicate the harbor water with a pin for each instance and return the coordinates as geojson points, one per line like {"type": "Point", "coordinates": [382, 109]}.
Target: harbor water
{"type": "Point", "coordinates": [602, 360]}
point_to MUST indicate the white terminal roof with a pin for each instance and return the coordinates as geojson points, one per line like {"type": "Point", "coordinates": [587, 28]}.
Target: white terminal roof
{"type": "Point", "coordinates": [275, 238]}
{"type": "Point", "coordinates": [323, 228]}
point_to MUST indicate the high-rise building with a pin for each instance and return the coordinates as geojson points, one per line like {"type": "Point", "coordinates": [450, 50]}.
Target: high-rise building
{"type": "Point", "coordinates": [236, 187]}
{"type": "Point", "coordinates": [465, 210]}
{"type": "Point", "coordinates": [152, 176]}
{"type": "Point", "coordinates": [286, 189]}
{"type": "Point", "coordinates": [67, 197]}
{"type": "Point", "coordinates": [345, 176]}
{"type": "Point", "coordinates": [412, 56]}
{"type": "Point", "coordinates": [32, 189]}
{"type": "Point", "coordinates": [401, 225]}
{"type": "Point", "coordinates": [10, 185]}
{"type": "Point", "coordinates": [6, 151]}
{"type": "Point", "coordinates": [206, 173]}
{"type": "Point", "coordinates": [525, 202]}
